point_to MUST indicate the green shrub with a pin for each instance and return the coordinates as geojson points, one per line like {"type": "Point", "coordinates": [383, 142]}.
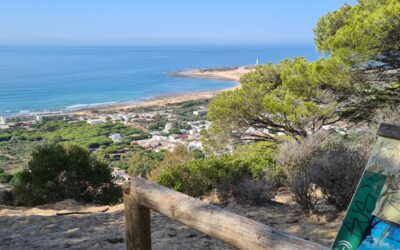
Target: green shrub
{"type": "Point", "coordinates": [5, 137]}
{"type": "Point", "coordinates": [141, 163]}
{"type": "Point", "coordinates": [5, 178]}
{"type": "Point", "coordinates": [179, 155]}
{"type": "Point", "coordinates": [260, 157]}
{"type": "Point", "coordinates": [57, 172]}
{"type": "Point", "coordinates": [251, 168]}
{"type": "Point", "coordinates": [6, 197]}
{"type": "Point", "coordinates": [197, 177]}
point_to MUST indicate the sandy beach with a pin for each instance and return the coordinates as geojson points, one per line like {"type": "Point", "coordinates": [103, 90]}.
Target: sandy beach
{"type": "Point", "coordinates": [230, 74]}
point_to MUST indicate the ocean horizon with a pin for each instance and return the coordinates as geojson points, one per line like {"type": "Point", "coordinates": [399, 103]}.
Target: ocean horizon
{"type": "Point", "coordinates": [39, 78]}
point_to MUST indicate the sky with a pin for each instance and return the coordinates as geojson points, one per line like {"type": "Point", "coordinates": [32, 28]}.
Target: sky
{"type": "Point", "coordinates": [161, 22]}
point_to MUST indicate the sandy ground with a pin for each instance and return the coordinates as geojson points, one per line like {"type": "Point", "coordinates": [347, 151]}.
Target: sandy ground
{"type": "Point", "coordinates": [41, 228]}
{"type": "Point", "coordinates": [232, 75]}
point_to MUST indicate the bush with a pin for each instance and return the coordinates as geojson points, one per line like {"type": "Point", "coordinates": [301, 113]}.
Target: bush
{"type": "Point", "coordinates": [196, 177]}
{"type": "Point", "coordinates": [224, 174]}
{"type": "Point", "coordinates": [55, 173]}
{"type": "Point", "coordinates": [179, 155]}
{"type": "Point", "coordinates": [338, 167]}
{"type": "Point", "coordinates": [6, 197]}
{"type": "Point", "coordinates": [261, 160]}
{"type": "Point", "coordinates": [330, 163]}
{"type": "Point", "coordinates": [5, 137]}
{"type": "Point", "coordinates": [5, 178]}
{"type": "Point", "coordinates": [296, 160]}
{"type": "Point", "coordinates": [255, 191]}
{"type": "Point", "coordinates": [141, 163]}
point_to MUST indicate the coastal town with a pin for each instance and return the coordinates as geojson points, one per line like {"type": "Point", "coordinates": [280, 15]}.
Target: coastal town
{"type": "Point", "coordinates": [174, 126]}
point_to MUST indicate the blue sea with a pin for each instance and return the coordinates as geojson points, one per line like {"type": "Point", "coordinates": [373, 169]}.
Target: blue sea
{"type": "Point", "coordinates": [37, 78]}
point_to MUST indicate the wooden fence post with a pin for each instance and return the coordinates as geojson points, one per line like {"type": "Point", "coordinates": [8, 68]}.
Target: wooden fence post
{"type": "Point", "coordinates": [137, 224]}
{"type": "Point", "coordinates": [231, 228]}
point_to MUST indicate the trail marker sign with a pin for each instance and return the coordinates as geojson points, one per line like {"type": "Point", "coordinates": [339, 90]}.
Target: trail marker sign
{"type": "Point", "coordinates": [372, 220]}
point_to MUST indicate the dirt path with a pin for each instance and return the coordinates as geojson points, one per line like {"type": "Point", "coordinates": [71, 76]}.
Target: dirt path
{"type": "Point", "coordinates": [41, 228]}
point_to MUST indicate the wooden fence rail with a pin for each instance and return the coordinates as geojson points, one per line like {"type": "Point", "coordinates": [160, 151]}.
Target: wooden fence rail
{"type": "Point", "coordinates": [231, 228]}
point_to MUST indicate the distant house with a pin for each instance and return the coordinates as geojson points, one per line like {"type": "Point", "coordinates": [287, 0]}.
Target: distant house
{"type": "Point", "coordinates": [36, 116]}
{"type": "Point", "coordinates": [116, 138]}
{"type": "Point", "coordinates": [195, 145]}
{"type": "Point", "coordinates": [183, 136]}
{"type": "Point", "coordinates": [200, 112]}
{"type": "Point", "coordinates": [173, 137]}
{"type": "Point", "coordinates": [119, 174]}
{"type": "Point", "coordinates": [52, 116]}
{"type": "Point", "coordinates": [95, 121]}
{"type": "Point", "coordinates": [168, 127]}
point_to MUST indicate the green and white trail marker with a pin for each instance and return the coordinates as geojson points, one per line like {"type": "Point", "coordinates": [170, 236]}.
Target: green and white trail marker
{"type": "Point", "coordinates": [372, 220]}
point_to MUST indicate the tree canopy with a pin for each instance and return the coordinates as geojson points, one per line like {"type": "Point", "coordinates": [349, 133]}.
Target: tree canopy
{"type": "Point", "coordinates": [295, 98]}
{"type": "Point", "coordinates": [289, 98]}
{"type": "Point", "coordinates": [367, 34]}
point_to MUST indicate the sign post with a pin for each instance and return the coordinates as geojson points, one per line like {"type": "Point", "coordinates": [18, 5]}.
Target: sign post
{"type": "Point", "coordinates": [372, 220]}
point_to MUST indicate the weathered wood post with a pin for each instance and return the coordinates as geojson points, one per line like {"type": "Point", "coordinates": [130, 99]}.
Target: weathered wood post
{"type": "Point", "coordinates": [137, 224]}
{"type": "Point", "coordinates": [233, 229]}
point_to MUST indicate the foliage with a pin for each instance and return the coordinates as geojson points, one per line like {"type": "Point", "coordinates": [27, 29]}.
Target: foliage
{"type": "Point", "coordinates": [179, 155]}
{"type": "Point", "coordinates": [5, 178]}
{"type": "Point", "coordinates": [58, 172]}
{"type": "Point", "coordinates": [16, 151]}
{"type": "Point", "coordinates": [5, 197]}
{"type": "Point", "coordinates": [141, 163]}
{"type": "Point", "coordinates": [158, 123]}
{"type": "Point", "coordinates": [337, 168]}
{"type": "Point", "coordinates": [15, 154]}
{"type": "Point", "coordinates": [260, 157]}
{"type": "Point", "coordinates": [295, 159]}
{"type": "Point", "coordinates": [255, 191]}
{"type": "Point", "coordinates": [196, 177]}
{"type": "Point", "coordinates": [5, 137]}
{"type": "Point", "coordinates": [184, 111]}
{"type": "Point", "coordinates": [290, 98]}
{"type": "Point", "coordinates": [367, 33]}
{"type": "Point", "coordinates": [296, 98]}
{"type": "Point", "coordinates": [365, 37]}
{"type": "Point", "coordinates": [225, 173]}
{"type": "Point", "coordinates": [330, 163]}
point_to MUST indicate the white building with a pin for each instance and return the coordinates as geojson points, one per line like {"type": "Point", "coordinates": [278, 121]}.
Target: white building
{"type": "Point", "coordinates": [52, 116]}
{"type": "Point", "coordinates": [116, 138]}
{"type": "Point", "coordinates": [95, 121]}
{"type": "Point", "coordinates": [168, 127]}
{"type": "Point", "coordinates": [26, 117]}
{"type": "Point", "coordinates": [195, 145]}
{"type": "Point", "coordinates": [36, 116]}
{"type": "Point", "coordinates": [200, 112]}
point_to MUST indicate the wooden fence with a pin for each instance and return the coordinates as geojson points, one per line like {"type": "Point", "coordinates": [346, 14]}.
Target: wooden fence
{"type": "Point", "coordinates": [231, 228]}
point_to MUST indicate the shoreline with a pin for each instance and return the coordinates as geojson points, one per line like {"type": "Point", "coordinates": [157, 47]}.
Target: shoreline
{"type": "Point", "coordinates": [225, 74]}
